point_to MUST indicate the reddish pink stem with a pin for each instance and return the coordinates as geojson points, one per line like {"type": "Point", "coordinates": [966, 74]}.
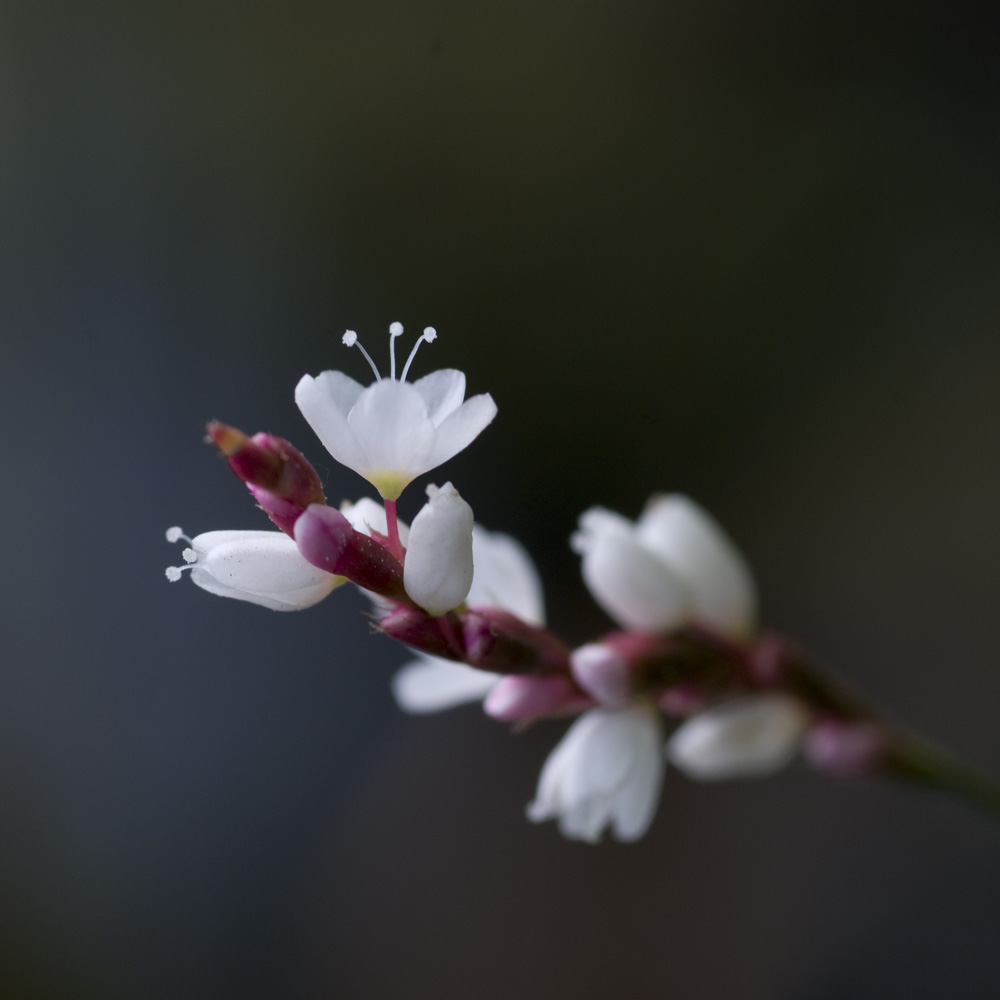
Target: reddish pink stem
{"type": "Point", "coordinates": [395, 545]}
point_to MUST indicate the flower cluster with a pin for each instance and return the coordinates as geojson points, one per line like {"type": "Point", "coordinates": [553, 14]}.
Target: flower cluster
{"type": "Point", "coordinates": [684, 678]}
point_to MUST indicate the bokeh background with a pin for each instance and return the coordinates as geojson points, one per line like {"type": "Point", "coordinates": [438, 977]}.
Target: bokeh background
{"type": "Point", "coordinates": [745, 250]}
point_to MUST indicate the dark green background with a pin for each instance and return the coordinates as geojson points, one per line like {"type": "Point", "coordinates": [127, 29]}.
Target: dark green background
{"type": "Point", "coordinates": [745, 250]}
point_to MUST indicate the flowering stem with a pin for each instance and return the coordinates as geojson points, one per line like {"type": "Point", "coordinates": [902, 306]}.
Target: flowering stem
{"type": "Point", "coordinates": [912, 758]}
{"type": "Point", "coordinates": [392, 525]}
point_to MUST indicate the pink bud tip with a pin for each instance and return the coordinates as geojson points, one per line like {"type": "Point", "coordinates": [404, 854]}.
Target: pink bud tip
{"type": "Point", "coordinates": [520, 697]}
{"type": "Point", "coordinates": [602, 673]}
{"type": "Point", "coordinates": [845, 748]}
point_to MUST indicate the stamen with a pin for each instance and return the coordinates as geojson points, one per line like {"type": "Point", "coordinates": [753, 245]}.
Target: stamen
{"type": "Point", "coordinates": [350, 338]}
{"type": "Point", "coordinates": [174, 572]}
{"type": "Point", "coordinates": [429, 334]}
{"type": "Point", "coordinates": [395, 330]}
{"type": "Point", "coordinates": [176, 534]}
{"type": "Point", "coordinates": [189, 556]}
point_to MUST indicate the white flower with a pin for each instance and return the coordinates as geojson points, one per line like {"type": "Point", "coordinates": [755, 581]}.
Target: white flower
{"type": "Point", "coordinates": [504, 577]}
{"type": "Point", "coordinates": [673, 566]}
{"type": "Point", "coordinates": [750, 737]}
{"type": "Point", "coordinates": [263, 567]}
{"type": "Point", "coordinates": [393, 430]}
{"type": "Point", "coordinates": [437, 572]}
{"type": "Point", "coordinates": [606, 771]}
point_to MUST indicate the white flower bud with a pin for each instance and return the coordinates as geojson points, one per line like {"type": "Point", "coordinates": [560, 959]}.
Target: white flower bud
{"type": "Point", "coordinates": [437, 572]}
{"type": "Point", "coordinates": [750, 737]}
{"type": "Point", "coordinates": [263, 567]}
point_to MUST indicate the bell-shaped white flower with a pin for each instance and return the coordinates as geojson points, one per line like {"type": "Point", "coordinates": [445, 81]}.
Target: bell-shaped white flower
{"type": "Point", "coordinates": [393, 430]}
{"type": "Point", "coordinates": [504, 577]}
{"type": "Point", "coordinates": [438, 569]}
{"type": "Point", "coordinates": [606, 772]}
{"type": "Point", "coordinates": [263, 567]}
{"type": "Point", "coordinates": [673, 566]}
{"type": "Point", "coordinates": [750, 737]}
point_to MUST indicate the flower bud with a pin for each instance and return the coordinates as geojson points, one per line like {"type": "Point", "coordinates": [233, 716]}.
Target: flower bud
{"type": "Point", "coordinates": [279, 476]}
{"type": "Point", "coordinates": [416, 628]}
{"type": "Point", "coordinates": [843, 747]}
{"type": "Point", "coordinates": [520, 697]}
{"type": "Point", "coordinates": [263, 567]}
{"type": "Point", "coordinates": [437, 572]}
{"type": "Point", "coordinates": [326, 539]}
{"type": "Point", "coordinates": [750, 737]}
{"type": "Point", "coordinates": [500, 642]}
{"type": "Point", "coordinates": [602, 673]}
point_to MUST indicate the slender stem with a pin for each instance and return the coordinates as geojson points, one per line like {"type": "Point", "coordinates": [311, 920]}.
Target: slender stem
{"type": "Point", "coordinates": [395, 545]}
{"type": "Point", "coordinates": [914, 759]}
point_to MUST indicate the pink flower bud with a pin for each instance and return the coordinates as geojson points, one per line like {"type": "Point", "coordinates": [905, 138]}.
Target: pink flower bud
{"type": "Point", "coordinates": [497, 641]}
{"type": "Point", "coordinates": [326, 539]}
{"type": "Point", "coordinates": [280, 477]}
{"type": "Point", "coordinates": [602, 673]}
{"type": "Point", "coordinates": [520, 697]}
{"type": "Point", "coordinates": [418, 629]}
{"type": "Point", "coordinates": [842, 747]}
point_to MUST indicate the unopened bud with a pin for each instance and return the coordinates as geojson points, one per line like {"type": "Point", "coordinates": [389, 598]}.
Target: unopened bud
{"type": "Point", "coordinates": [498, 641]}
{"type": "Point", "coordinates": [602, 673]}
{"type": "Point", "coordinates": [418, 629]}
{"type": "Point", "coordinates": [326, 539]}
{"type": "Point", "coordinates": [843, 747]}
{"type": "Point", "coordinates": [521, 697]}
{"type": "Point", "coordinates": [280, 477]}
{"type": "Point", "coordinates": [438, 567]}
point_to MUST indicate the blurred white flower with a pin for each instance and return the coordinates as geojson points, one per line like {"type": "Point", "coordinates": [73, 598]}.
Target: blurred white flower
{"type": "Point", "coordinates": [505, 578]}
{"type": "Point", "coordinates": [606, 772]}
{"type": "Point", "coordinates": [393, 430]}
{"type": "Point", "coordinates": [263, 567]}
{"type": "Point", "coordinates": [750, 737]}
{"type": "Point", "coordinates": [673, 566]}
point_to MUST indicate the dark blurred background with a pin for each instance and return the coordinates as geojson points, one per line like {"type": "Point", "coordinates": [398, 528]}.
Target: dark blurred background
{"type": "Point", "coordinates": [744, 250]}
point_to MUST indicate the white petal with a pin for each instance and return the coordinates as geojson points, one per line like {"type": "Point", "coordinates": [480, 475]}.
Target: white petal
{"type": "Point", "coordinates": [431, 684]}
{"type": "Point", "coordinates": [460, 428]}
{"type": "Point", "coordinates": [632, 584]}
{"type": "Point", "coordinates": [698, 550]}
{"type": "Point", "coordinates": [505, 577]}
{"type": "Point", "coordinates": [325, 402]}
{"type": "Point", "coordinates": [607, 770]}
{"type": "Point", "coordinates": [750, 737]}
{"type": "Point", "coordinates": [392, 428]}
{"type": "Point", "coordinates": [263, 567]}
{"type": "Point", "coordinates": [442, 391]}
{"type": "Point", "coordinates": [636, 803]}
{"type": "Point", "coordinates": [438, 569]}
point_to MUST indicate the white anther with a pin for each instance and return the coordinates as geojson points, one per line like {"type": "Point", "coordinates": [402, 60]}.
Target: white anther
{"type": "Point", "coordinates": [173, 574]}
{"type": "Point", "coordinates": [429, 334]}
{"type": "Point", "coordinates": [176, 534]}
{"type": "Point", "coordinates": [189, 556]}
{"type": "Point", "coordinates": [350, 338]}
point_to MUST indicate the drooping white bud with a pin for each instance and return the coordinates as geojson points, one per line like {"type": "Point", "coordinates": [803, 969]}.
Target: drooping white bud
{"type": "Point", "coordinates": [263, 567]}
{"type": "Point", "coordinates": [750, 737]}
{"type": "Point", "coordinates": [437, 573]}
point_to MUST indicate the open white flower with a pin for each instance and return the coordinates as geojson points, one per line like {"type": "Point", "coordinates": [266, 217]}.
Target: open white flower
{"type": "Point", "coordinates": [750, 737]}
{"type": "Point", "coordinates": [673, 566]}
{"type": "Point", "coordinates": [393, 430]}
{"type": "Point", "coordinates": [504, 577]}
{"type": "Point", "coordinates": [606, 772]}
{"type": "Point", "coordinates": [263, 567]}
